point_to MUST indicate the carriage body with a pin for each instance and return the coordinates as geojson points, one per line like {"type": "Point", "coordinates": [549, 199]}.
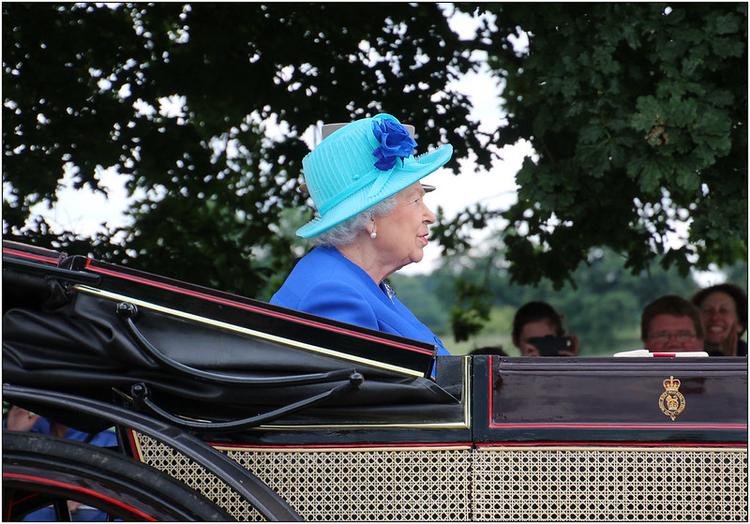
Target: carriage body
{"type": "Point", "coordinates": [345, 423]}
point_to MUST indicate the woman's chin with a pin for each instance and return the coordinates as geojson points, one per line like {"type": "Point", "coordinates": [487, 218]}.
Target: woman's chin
{"type": "Point", "coordinates": [714, 341]}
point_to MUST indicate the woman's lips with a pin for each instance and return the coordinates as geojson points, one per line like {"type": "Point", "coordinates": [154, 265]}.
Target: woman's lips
{"type": "Point", "coordinates": [715, 333]}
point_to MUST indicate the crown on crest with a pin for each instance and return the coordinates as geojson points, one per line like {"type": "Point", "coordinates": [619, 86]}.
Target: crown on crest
{"type": "Point", "coordinates": [672, 384]}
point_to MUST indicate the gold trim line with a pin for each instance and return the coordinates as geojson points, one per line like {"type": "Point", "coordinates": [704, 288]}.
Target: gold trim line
{"type": "Point", "coordinates": [465, 424]}
{"type": "Point", "coordinates": [135, 436]}
{"type": "Point", "coordinates": [416, 425]}
{"type": "Point", "coordinates": [245, 331]}
{"type": "Point", "coordinates": [661, 449]}
{"type": "Point", "coordinates": [467, 392]}
{"type": "Point", "coordinates": [339, 450]}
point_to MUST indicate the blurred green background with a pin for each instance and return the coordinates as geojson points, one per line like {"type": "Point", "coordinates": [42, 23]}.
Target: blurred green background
{"type": "Point", "coordinates": [603, 310]}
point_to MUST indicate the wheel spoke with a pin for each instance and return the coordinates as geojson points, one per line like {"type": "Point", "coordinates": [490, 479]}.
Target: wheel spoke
{"type": "Point", "coordinates": [41, 471]}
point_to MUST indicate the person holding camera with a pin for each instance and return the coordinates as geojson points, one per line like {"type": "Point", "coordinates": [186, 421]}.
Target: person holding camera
{"type": "Point", "coordinates": [538, 332]}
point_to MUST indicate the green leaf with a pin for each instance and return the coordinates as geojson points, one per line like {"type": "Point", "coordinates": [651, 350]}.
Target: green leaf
{"type": "Point", "coordinates": [727, 24]}
{"type": "Point", "coordinates": [688, 180]}
{"type": "Point", "coordinates": [650, 177]}
{"type": "Point", "coordinates": [648, 115]}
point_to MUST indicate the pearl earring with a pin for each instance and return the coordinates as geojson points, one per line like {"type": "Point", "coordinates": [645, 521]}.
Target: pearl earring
{"type": "Point", "coordinates": [374, 235]}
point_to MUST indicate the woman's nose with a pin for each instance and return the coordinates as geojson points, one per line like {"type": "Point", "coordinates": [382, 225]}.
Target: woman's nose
{"type": "Point", "coordinates": [429, 216]}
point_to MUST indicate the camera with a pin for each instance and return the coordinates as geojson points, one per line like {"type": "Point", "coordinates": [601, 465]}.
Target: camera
{"type": "Point", "coordinates": [550, 346]}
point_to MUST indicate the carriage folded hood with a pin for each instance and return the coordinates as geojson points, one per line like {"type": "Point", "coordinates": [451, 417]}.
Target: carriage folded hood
{"type": "Point", "coordinates": [82, 345]}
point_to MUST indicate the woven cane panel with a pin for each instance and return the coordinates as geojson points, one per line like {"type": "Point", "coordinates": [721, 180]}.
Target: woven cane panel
{"type": "Point", "coordinates": [624, 484]}
{"type": "Point", "coordinates": [426, 485]}
{"type": "Point", "coordinates": [422, 485]}
{"type": "Point", "coordinates": [177, 465]}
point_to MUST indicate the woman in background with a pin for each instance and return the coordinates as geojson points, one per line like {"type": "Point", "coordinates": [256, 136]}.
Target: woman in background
{"type": "Point", "coordinates": [723, 309]}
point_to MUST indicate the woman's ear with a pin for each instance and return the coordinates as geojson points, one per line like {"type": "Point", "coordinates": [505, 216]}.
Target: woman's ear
{"type": "Point", "coordinates": [372, 229]}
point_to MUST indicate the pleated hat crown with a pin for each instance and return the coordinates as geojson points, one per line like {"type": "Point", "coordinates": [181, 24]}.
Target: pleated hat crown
{"type": "Point", "coordinates": [342, 177]}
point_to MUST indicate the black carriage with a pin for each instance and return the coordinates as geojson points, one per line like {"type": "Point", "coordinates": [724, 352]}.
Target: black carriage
{"type": "Point", "coordinates": [230, 408]}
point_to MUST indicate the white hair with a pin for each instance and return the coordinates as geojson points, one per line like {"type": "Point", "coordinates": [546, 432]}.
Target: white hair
{"type": "Point", "coordinates": [345, 232]}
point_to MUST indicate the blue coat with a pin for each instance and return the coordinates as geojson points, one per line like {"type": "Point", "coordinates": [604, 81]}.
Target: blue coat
{"type": "Point", "coordinates": [326, 283]}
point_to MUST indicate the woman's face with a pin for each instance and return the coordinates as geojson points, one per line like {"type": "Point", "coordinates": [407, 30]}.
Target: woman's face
{"type": "Point", "coordinates": [719, 317]}
{"type": "Point", "coordinates": [403, 233]}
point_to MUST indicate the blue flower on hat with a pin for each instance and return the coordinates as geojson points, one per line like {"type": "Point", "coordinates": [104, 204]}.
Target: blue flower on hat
{"type": "Point", "coordinates": [394, 140]}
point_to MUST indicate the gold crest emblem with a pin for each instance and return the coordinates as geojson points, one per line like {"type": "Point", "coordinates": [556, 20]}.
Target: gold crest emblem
{"type": "Point", "coordinates": [672, 402]}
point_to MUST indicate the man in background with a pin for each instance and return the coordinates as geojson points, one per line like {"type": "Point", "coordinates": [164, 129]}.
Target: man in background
{"type": "Point", "coordinates": [671, 323]}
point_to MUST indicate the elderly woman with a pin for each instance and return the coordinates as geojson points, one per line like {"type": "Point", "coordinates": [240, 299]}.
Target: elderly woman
{"type": "Point", "coordinates": [723, 310]}
{"type": "Point", "coordinates": [371, 220]}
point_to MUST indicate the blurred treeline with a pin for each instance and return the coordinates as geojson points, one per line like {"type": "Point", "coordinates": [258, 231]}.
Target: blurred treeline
{"type": "Point", "coordinates": [603, 309]}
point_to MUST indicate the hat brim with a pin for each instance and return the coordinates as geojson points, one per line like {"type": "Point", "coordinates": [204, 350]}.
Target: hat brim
{"type": "Point", "coordinates": [401, 178]}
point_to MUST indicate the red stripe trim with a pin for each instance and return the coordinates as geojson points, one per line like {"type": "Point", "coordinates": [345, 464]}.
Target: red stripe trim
{"type": "Point", "coordinates": [613, 444]}
{"type": "Point", "coordinates": [133, 446]}
{"type": "Point", "coordinates": [489, 389]}
{"type": "Point", "coordinates": [485, 444]}
{"type": "Point", "coordinates": [15, 502]}
{"type": "Point", "coordinates": [339, 446]}
{"type": "Point", "coordinates": [605, 425]}
{"type": "Point", "coordinates": [80, 489]}
{"type": "Point", "coordinates": [29, 255]}
{"type": "Point", "coordinates": [614, 425]}
{"type": "Point", "coordinates": [252, 308]}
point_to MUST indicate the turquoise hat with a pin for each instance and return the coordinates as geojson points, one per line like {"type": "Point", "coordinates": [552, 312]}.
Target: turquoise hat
{"type": "Point", "coordinates": [361, 164]}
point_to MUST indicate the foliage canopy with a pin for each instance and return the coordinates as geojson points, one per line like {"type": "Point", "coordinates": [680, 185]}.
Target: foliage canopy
{"type": "Point", "coordinates": [637, 114]}
{"type": "Point", "coordinates": [85, 86]}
